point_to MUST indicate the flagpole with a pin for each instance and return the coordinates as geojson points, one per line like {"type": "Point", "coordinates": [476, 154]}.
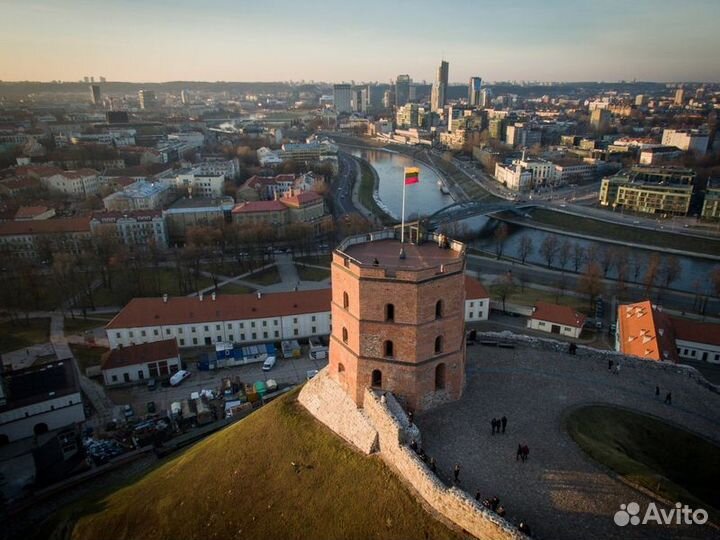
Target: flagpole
{"type": "Point", "coordinates": [402, 218]}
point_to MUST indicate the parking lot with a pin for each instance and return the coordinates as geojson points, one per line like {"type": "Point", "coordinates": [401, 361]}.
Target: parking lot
{"type": "Point", "coordinates": [286, 372]}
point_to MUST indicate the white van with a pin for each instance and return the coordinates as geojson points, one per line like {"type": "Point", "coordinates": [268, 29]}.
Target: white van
{"type": "Point", "coordinates": [269, 363]}
{"type": "Point", "coordinates": [179, 377]}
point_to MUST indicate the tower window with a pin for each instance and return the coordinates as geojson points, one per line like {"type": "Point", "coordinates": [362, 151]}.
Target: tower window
{"type": "Point", "coordinates": [438, 344]}
{"type": "Point", "coordinates": [438, 309]}
{"type": "Point", "coordinates": [346, 300]}
{"type": "Point", "coordinates": [388, 348]}
{"type": "Point", "coordinates": [376, 378]}
{"type": "Point", "coordinates": [440, 377]}
{"type": "Point", "coordinates": [341, 368]}
{"type": "Point", "coordinates": [344, 335]}
{"type": "Point", "coordinates": [389, 312]}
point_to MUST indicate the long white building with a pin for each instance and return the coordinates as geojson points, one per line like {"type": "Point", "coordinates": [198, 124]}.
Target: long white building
{"type": "Point", "coordinates": [201, 321]}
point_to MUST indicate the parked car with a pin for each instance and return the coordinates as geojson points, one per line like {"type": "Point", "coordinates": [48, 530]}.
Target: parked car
{"type": "Point", "coordinates": [152, 384]}
{"type": "Point", "coordinates": [179, 377]}
{"type": "Point", "coordinates": [128, 411]}
{"type": "Point", "coordinates": [269, 363]}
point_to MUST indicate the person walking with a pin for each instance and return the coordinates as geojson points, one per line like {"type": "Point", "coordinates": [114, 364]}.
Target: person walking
{"type": "Point", "coordinates": [668, 398]}
{"type": "Point", "coordinates": [657, 391]}
{"type": "Point", "coordinates": [493, 423]}
{"type": "Point", "coordinates": [413, 445]}
{"type": "Point", "coordinates": [610, 365]}
{"type": "Point", "coordinates": [477, 495]}
{"type": "Point", "coordinates": [456, 473]}
{"type": "Point", "coordinates": [617, 369]}
{"type": "Point", "coordinates": [433, 465]}
{"type": "Point", "coordinates": [519, 452]}
{"type": "Point", "coordinates": [503, 420]}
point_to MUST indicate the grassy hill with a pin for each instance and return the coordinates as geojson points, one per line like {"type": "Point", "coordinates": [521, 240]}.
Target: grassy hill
{"type": "Point", "coordinates": [276, 474]}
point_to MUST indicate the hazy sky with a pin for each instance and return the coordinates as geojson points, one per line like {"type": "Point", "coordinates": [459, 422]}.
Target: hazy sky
{"type": "Point", "coordinates": [362, 40]}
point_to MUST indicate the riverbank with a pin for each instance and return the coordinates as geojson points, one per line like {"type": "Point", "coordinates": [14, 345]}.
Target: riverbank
{"type": "Point", "coordinates": [603, 231]}
{"type": "Point", "coordinates": [367, 191]}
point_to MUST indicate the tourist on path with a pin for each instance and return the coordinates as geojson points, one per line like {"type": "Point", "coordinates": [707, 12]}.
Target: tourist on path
{"type": "Point", "coordinates": [456, 473]}
{"type": "Point", "coordinates": [657, 390]}
{"type": "Point", "coordinates": [413, 445]}
{"type": "Point", "coordinates": [504, 423]}
{"type": "Point", "coordinates": [518, 455]}
{"type": "Point", "coordinates": [668, 398]}
{"type": "Point", "coordinates": [610, 365]}
{"type": "Point", "coordinates": [494, 425]}
{"type": "Point", "coordinates": [433, 465]}
{"type": "Point", "coordinates": [477, 495]}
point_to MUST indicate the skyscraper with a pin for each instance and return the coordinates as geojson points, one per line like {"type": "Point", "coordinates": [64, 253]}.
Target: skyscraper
{"type": "Point", "coordinates": [95, 96]}
{"type": "Point", "coordinates": [402, 90]}
{"type": "Point", "coordinates": [147, 99]}
{"type": "Point", "coordinates": [679, 96]}
{"type": "Point", "coordinates": [439, 89]}
{"type": "Point", "coordinates": [342, 94]}
{"type": "Point", "coordinates": [474, 89]}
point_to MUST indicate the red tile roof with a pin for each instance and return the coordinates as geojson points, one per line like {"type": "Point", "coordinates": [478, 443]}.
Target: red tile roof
{"type": "Point", "coordinates": [646, 331]}
{"type": "Point", "coordinates": [301, 199]}
{"type": "Point", "coordinates": [258, 206]}
{"type": "Point", "coordinates": [555, 313]}
{"type": "Point", "coordinates": [45, 226]}
{"type": "Point", "coordinates": [140, 312]}
{"type": "Point", "coordinates": [474, 289]}
{"type": "Point", "coordinates": [141, 354]}
{"type": "Point", "coordinates": [38, 171]}
{"type": "Point", "coordinates": [698, 332]}
{"type": "Point", "coordinates": [25, 212]}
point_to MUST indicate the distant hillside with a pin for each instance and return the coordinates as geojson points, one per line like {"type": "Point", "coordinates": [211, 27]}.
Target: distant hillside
{"type": "Point", "coordinates": [276, 474]}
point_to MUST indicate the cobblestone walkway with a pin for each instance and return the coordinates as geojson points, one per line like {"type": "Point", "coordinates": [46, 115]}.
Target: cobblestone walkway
{"type": "Point", "coordinates": [559, 491]}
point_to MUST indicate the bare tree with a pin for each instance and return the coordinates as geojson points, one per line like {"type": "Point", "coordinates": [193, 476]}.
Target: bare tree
{"type": "Point", "coordinates": [636, 262]}
{"type": "Point", "coordinates": [670, 270]}
{"type": "Point", "coordinates": [525, 249]}
{"type": "Point", "coordinates": [590, 282]}
{"type": "Point", "coordinates": [651, 273]}
{"type": "Point", "coordinates": [505, 286]}
{"type": "Point", "coordinates": [607, 259]}
{"type": "Point", "coordinates": [500, 236]}
{"type": "Point", "coordinates": [564, 253]}
{"type": "Point", "coordinates": [549, 248]}
{"type": "Point", "coordinates": [715, 280]}
{"type": "Point", "coordinates": [578, 254]}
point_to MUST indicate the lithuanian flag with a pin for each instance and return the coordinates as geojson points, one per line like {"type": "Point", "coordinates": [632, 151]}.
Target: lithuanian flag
{"type": "Point", "coordinates": [412, 175]}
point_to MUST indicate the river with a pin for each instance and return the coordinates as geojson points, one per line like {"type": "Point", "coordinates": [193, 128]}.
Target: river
{"type": "Point", "coordinates": [425, 198]}
{"type": "Point", "coordinates": [422, 198]}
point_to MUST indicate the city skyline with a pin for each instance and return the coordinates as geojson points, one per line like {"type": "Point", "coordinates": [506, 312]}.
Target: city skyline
{"type": "Point", "coordinates": [159, 41]}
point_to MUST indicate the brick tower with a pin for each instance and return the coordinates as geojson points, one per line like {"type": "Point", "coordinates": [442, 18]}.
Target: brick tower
{"type": "Point", "coordinates": [398, 322]}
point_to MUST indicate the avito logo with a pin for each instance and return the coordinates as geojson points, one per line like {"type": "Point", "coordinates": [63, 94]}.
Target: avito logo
{"type": "Point", "coordinates": [629, 514]}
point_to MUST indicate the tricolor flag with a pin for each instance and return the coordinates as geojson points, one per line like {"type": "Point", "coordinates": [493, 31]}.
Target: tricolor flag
{"type": "Point", "coordinates": [412, 175]}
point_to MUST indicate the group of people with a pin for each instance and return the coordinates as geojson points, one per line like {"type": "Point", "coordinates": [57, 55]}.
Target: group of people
{"type": "Point", "coordinates": [522, 453]}
{"type": "Point", "coordinates": [492, 504]}
{"type": "Point", "coordinates": [668, 396]}
{"type": "Point", "coordinates": [498, 424]}
{"type": "Point", "coordinates": [422, 455]}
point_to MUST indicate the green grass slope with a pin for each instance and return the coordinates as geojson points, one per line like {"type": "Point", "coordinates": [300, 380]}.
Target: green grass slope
{"type": "Point", "coordinates": [276, 474]}
{"type": "Point", "coordinates": [674, 463]}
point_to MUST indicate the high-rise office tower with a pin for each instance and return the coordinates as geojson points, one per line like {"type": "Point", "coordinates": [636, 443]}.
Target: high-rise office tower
{"type": "Point", "coordinates": [360, 99]}
{"type": "Point", "coordinates": [679, 96]}
{"type": "Point", "coordinates": [95, 96]}
{"type": "Point", "coordinates": [147, 99]}
{"type": "Point", "coordinates": [342, 94]}
{"type": "Point", "coordinates": [474, 90]}
{"type": "Point", "coordinates": [402, 90]}
{"type": "Point", "coordinates": [439, 89]}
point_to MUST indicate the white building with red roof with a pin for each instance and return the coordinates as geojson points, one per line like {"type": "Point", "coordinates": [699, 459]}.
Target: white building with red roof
{"type": "Point", "coordinates": [557, 319]}
{"type": "Point", "coordinates": [204, 320]}
{"type": "Point", "coordinates": [80, 183]}
{"type": "Point", "coordinates": [477, 300]}
{"type": "Point", "coordinates": [139, 363]}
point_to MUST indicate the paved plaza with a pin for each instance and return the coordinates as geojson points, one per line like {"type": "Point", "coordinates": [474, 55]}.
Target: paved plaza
{"type": "Point", "coordinates": [559, 491]}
